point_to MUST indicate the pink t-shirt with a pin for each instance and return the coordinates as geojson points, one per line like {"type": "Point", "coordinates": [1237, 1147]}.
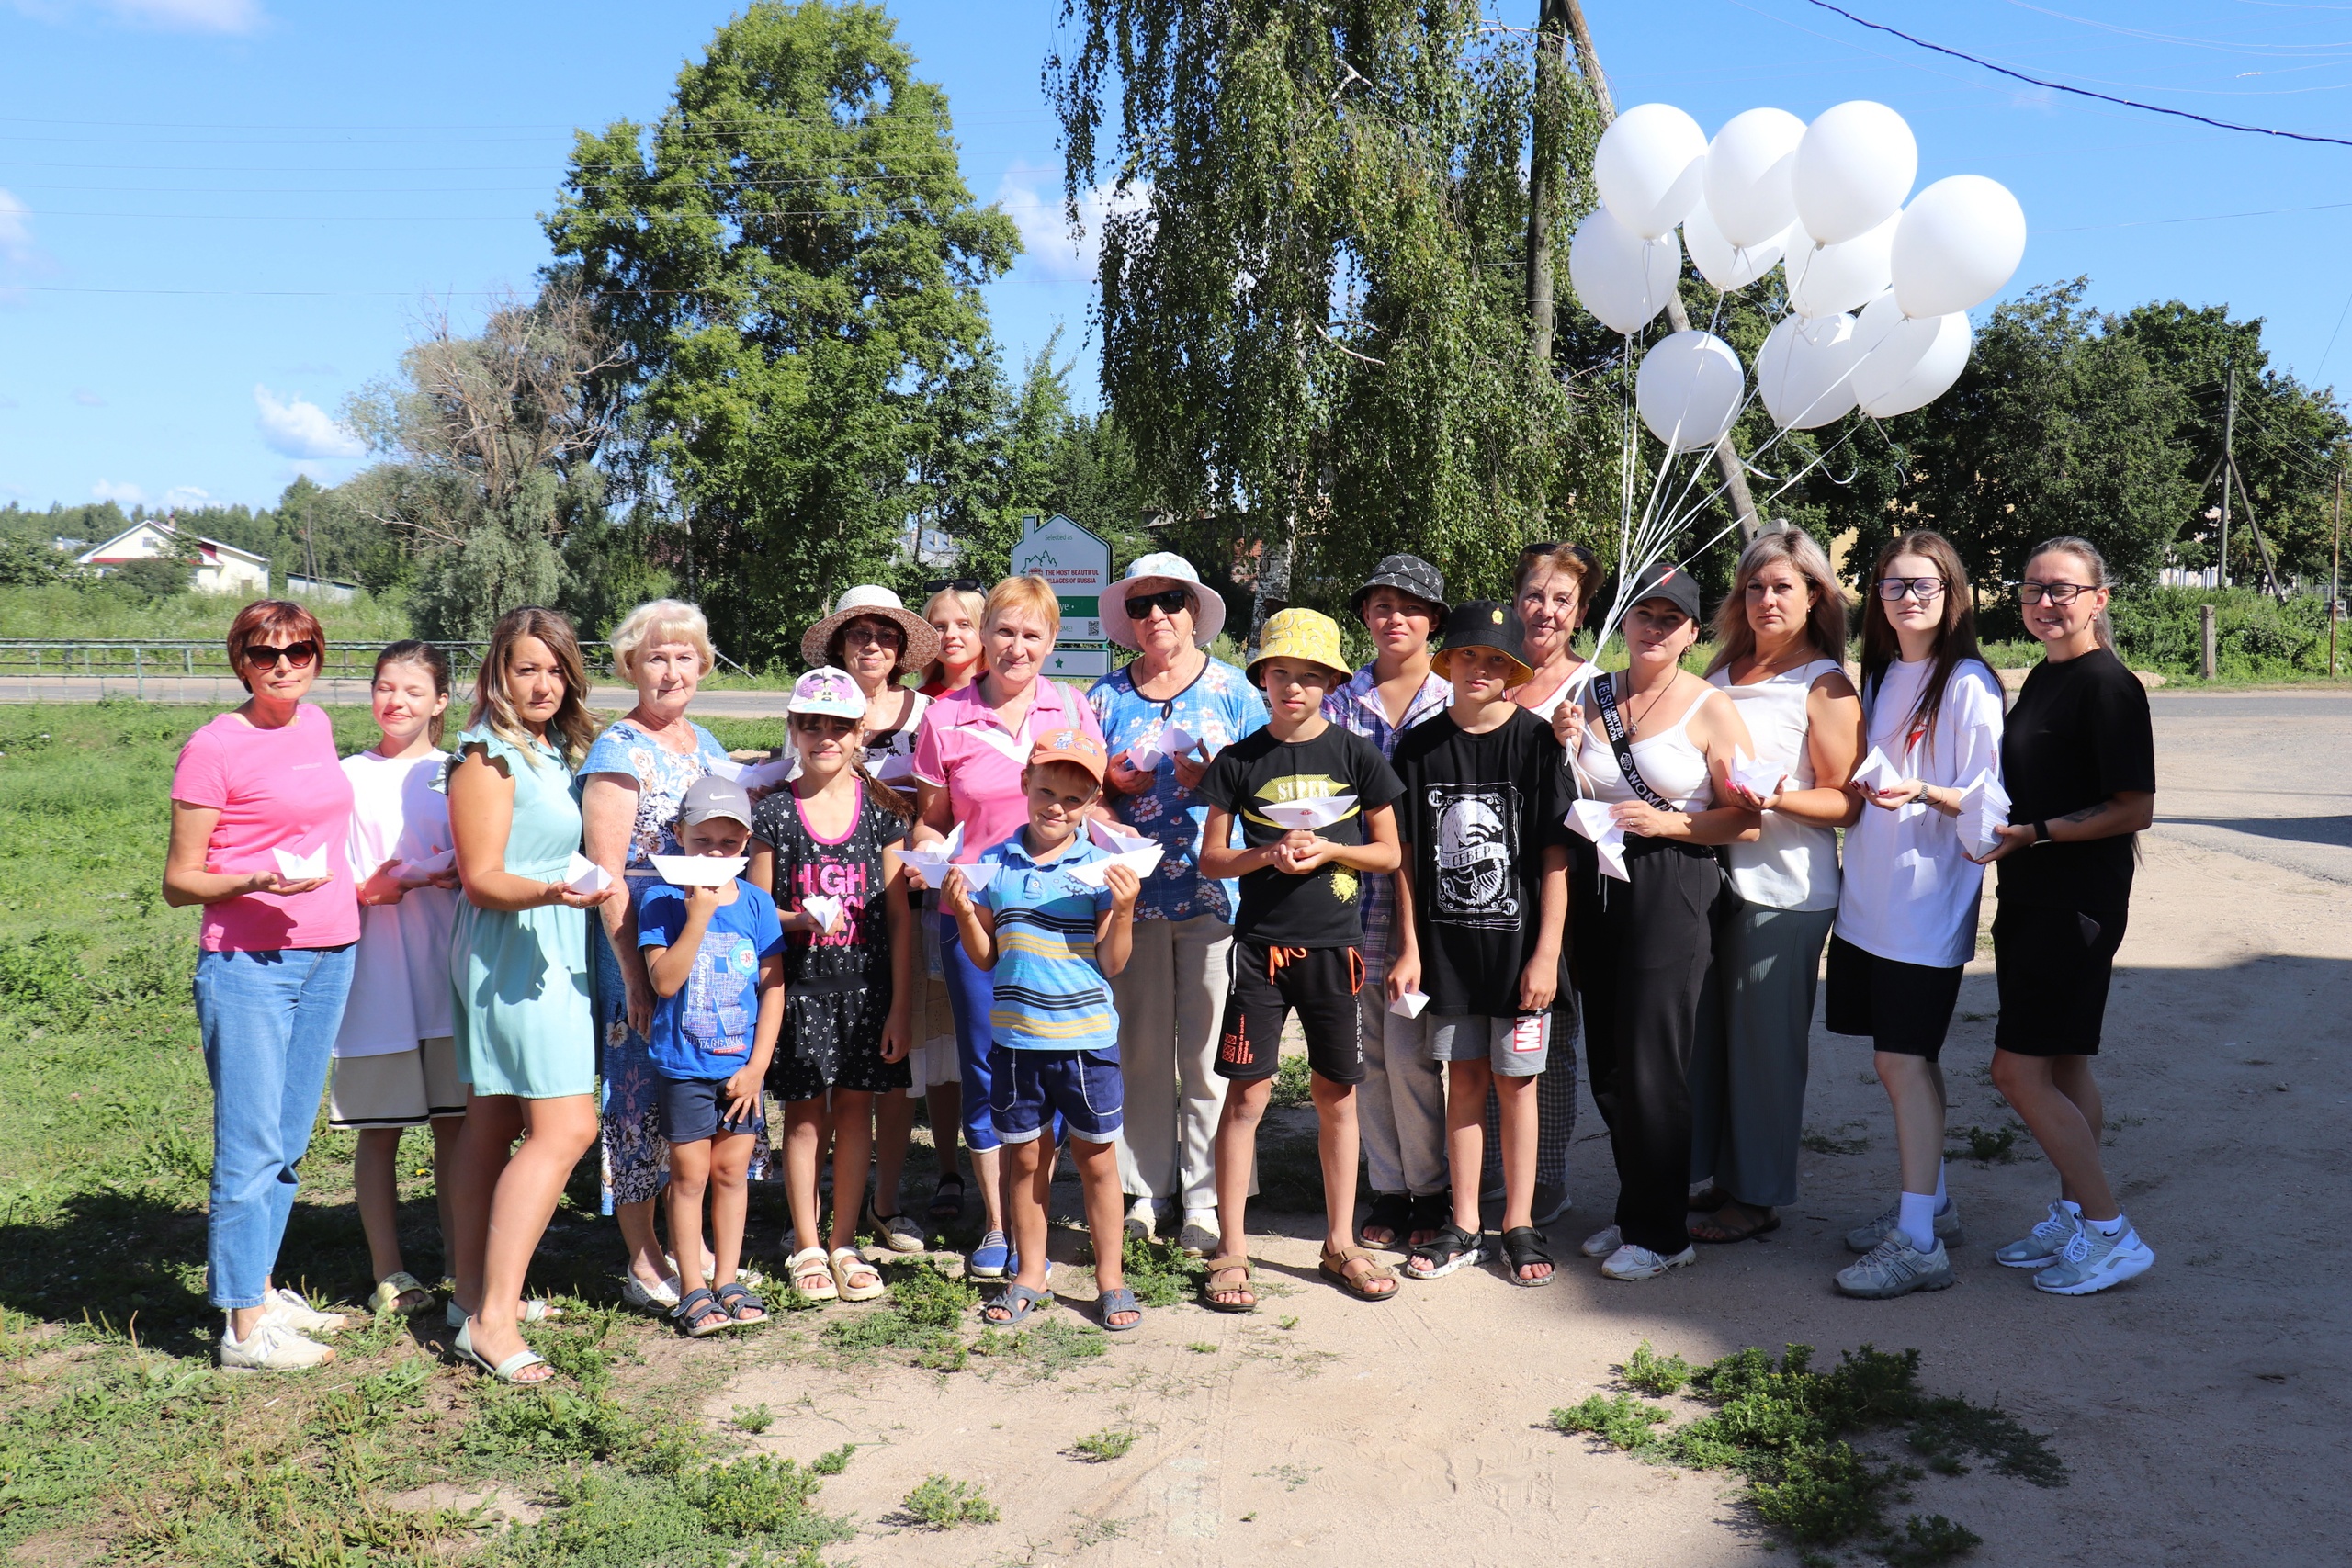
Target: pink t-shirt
{"type": "Point", "coordinates": [276, 789]}
{"type": "Point", "coordinates": [963, 746]}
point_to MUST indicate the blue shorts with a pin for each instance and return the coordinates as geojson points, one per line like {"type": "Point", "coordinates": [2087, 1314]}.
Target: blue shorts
{"type": "Point", "coordinates": [695, 1108]}
{"type": "Point", "coordinates": [1027, 1089]}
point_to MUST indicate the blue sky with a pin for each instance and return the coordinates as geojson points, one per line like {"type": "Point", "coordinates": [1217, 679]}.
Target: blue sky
{"type": "Point", "coordinates": [220, 218]}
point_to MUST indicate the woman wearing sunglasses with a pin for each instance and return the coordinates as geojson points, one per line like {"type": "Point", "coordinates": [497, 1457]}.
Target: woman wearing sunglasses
{"type": "Point", "coordinates": [260, 809]}
{"type": "Point", "coordinates": [1171, 994]}
{"type": "Point", "coordinates": [2080, 759]}
{"type": "Point", "coordinates": [1906, 911]}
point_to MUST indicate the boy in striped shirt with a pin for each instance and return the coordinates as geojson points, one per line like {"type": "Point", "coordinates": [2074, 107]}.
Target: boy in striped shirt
{"type": "Point", "coordinates": [1052, 939]}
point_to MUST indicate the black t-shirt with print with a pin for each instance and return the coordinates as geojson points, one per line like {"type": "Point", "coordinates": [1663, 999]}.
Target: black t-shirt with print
{"type": "Point", "coordinates": [2078, 734]}
{"type": "Point", "coordinates": [1323, 908]}
{"type": "Point", "coordinates": [1479, 812]}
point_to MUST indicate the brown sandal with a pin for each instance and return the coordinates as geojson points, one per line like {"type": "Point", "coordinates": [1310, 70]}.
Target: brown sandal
{"type": "Point", "coordinates": [1335, 1269]}
{"type": "Point", "coordinates": [1210, 1288]}
{"type": "Point", "coordinates": [1713, 1229]}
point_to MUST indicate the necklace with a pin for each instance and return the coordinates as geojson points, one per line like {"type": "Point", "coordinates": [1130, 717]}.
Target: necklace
{"type": "Point", "coordinates": [1633, 725]}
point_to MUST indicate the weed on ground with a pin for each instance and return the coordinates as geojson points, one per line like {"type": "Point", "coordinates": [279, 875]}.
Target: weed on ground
{"type": "Point", "coordinates": [940, 1503]}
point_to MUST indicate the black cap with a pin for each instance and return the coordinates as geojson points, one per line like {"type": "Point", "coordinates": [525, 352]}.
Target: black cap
{"type": "Point", "coordinates": [1664, 579]}
{"type": "Point", "coordinates": [1407, 574]}
{"type": "Point", "coordinates": [1486, 623]}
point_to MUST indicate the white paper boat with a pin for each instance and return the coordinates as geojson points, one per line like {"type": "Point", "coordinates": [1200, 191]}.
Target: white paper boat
{"type": "Point", "coordinates": [1984, 811]}
{"type": "Point", "coordinates": [301, 868]}
{"type": "Point", "coordinates": [1096, 873]}
{"type": "Point", "coordinates": [977, 876]}
{"type": "Point", "coordinates": [1876, 772]}
{"type": "Point", "coordinates": [1114, 839]}
{"type": "Point", "coordinates": [585, 875]}
{"type": "Point", "coordinates": [1757, 778]}
{"type": "Point", "coordinates": [1320, 811]}
{"type": "Point", "coordinates": [1594, 820]}
{"type": "Point", "coordinates": [430, 865]}
{"type": "Point", "coordinates": [1171, 740]}
{"type": "Point", "coordinates": [1410, 1004]}
{"type": "Point", "coordinates": [822, 909]}
{"type": "Point", "coordinates": [931, 865]}
{"type": "Point", "coordinates": [699, 871]}
{"type": "Point", "coordinates": [728, 769]}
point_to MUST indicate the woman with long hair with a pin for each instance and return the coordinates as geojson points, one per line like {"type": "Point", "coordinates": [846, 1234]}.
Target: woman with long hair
{"type": "Point", "coordinates": [525, 1024]}
{"type": "Point", "coordinates": [1781, 658]}
{"type": "Point", "coordinates": [2079, 761]}
{"type": "Point", "coordinates": [1906, 909]}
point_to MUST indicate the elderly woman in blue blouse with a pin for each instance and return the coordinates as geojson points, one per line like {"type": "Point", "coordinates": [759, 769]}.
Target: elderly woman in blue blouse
{"type": "Point", "coordinates": [631, 782]}
{"type": "Point", "coordinates": [1171, 993]}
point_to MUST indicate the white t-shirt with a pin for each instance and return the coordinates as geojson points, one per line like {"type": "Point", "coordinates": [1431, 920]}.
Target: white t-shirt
{"type": "Point", "coordinates": [1792, 864]}
{"type": "Point", "coordinates": [1910, 894]}
{"type": "Point", "coordinates": [401, 989]}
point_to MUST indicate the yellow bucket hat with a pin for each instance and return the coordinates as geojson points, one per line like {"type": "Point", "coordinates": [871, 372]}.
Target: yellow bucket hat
{"type": "Point", "coordinates": [1301, 634]}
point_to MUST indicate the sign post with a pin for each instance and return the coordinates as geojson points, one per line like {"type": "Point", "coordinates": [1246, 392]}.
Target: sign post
{"type": "Point", "coordinates": [1078, 564]}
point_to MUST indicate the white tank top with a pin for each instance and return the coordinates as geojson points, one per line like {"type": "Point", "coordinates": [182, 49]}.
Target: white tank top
{"type": "Point", "coordinates": [1792, 864]}
{"type": "Point", "coordinates": [1672, 764]}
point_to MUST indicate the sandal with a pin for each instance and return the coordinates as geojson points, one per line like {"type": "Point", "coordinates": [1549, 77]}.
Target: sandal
{"type": "Point", "coordinates": [847, 1265]}
{"type": "Point", "coordinates": [1390, 1212]}
{"type": "Point", "coordinates": [1715, 1228]}
{"type": "Point", "coordinates": [736, 1297]}
{"type": "Point", "coordinates": [1452, 1247]}
{"type": "Point", "coordinates": [1708, 1201]}
{"type": "Point", "coordinates": [946, 1207]}
{"type": "Point", "coordinates": [1015, 1306]}
{"type": "Point", "coordinates": [812, 1275]}
{"type": "Point", "coordinates": [1523, 1245]}
{"type": "Point", "coordinates": [1358, 1282]}
{"type": "Point", "coordinates": [1432, 1212]}
{"type": "Point", "coordinates": [400, 1291]}
{"type": "Point", "coordinates": [509, 1370]}
{"type": "Point", "coordinates": [1232, 1263]}
{"type": "Point", "coordinates": [699, 1313]}
{"type": "Point", "coordinates": [1115, 1300]}
{"type": "Point", "coordinates": [535, 1309]}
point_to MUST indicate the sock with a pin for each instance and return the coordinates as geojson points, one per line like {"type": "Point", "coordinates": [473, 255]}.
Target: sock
{"type": "Point", "coordinates": [2107, 1228]}
{"type": "Point", "coordinates": [1919, 1219]}
{"type": "Point", "coordinates": [1943, 1199]}
{"type": "Point", "coordinates": [2071, 1207]}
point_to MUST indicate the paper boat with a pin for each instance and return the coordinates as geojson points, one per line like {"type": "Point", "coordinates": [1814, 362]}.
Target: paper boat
{"type": "Point", "coordinates": [930, 864]}
{"type": "Point", "coordinates": [1757, 778]}
{"type": "Point", "coordinates": [1321, 811]}
{"type": "Point", "coordinates": [1876, 772]}
{"type": "Point", "coordinates": [430, 865]}
{"type": "Point", "coordinates": [1114, 838]}
{"type": "Point", "coordinates": [977, 876]}
{"type": "Point", "coordinates": [1984, 810]}
{"type": "Point", "coordinates": [700, 871]}
{"type": "Point", "coordinates": [301, 868]}
{"type": "Point", "coordinates": [822, 909]}
{"type": "Point", "coordinates": [1173, 740]}
{"type": "Point", "coordinates": [1410, 1004]}
{"type": "Point", "coordinates": [585, 875]}
{"type": "Point", "coordinates": [1096, 873]}
{"type": "Point", "coordinates": [1594, 820]}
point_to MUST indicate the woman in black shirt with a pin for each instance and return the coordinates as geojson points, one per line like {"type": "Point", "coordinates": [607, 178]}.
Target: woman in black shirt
{"type": "Point", "coordinates": [2078, 758]}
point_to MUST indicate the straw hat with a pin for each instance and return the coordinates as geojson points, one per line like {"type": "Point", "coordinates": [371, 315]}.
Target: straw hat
{"type": "Point", "coordinates": [1163, 569]}
{"type": "Point", "coordinates": [922, 642]}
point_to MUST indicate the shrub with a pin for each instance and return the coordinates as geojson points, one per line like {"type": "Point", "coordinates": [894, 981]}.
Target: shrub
{"type": "Point", "coordinates": [940, 1503]}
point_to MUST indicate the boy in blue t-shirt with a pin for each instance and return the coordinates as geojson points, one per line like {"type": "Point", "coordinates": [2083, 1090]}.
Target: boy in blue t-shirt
{"type": "Point", "coordinates": [715, 956]}
{"type": "Point", "coordinates": [1053, 932]}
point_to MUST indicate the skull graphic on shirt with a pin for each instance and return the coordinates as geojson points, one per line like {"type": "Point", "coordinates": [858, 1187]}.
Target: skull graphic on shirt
{"type": "Point", "coordinates": [1477, 841]}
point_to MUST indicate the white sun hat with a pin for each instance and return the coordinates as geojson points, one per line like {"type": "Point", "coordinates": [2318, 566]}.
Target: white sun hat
{"type": "Point", "coordinates": [1163, 569]}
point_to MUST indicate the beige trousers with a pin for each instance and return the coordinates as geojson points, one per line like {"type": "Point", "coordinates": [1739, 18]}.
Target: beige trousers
{"type": "Point", "coordinates": [1171, 1000]}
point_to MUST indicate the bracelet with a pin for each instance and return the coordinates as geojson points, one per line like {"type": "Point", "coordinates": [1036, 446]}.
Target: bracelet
{"type": "Point", "coordinates": [2041, 832]}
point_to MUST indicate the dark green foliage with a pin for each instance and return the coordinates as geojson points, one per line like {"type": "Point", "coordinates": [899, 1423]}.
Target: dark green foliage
{"type": "Point", "coordinates": [1995, 1145]}
{"type": "Point", "coordinates": [1932, 1539]}
{"type": "Point", "coordinates": [1103, 1447]}
{"type": "Point", "coordinates": [1620, 1420]}
{"type": "Point", "coordinates": [940, 1503]}
{"type": "Point", "coordinates": [755, 1511]}
{"type": "Point", "coordinates": [1653, 1374]}
{"type": "Point", "coordinates": [1294, 1084]}
{"type": "Point", "coordinates": [1159, 1271]}
{"type": "Point", "coordinates": [2255, 636]}
{"type": "Point", "coordinates": [926, 1308]}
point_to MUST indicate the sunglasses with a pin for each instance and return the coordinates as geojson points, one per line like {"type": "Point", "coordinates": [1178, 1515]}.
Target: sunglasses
{"type": "Point", "coordinates": [301, 655]}
{"type": "Point", "coordinates": [1167, 601]}
{"type": "Point", "coordinates": [1926, 590]}
{"type": "Point", "coordinates": [961, 585]}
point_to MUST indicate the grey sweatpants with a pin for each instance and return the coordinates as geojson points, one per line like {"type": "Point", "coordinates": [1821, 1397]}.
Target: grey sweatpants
{"type": "Point", "coordinates": [1750, 1061]}
{"type": "Point", "coordinates": [1400, 1105]}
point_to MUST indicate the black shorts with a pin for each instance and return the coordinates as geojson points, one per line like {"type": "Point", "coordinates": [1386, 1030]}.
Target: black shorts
{"type": "Point", "coordinates": [1269, 984]}
{"type": "Point", "coordinates": [695, 1108]}
{"type": "Point", "coordinates": [1906, 1008]}
{"type": "Point", "coordinates": [2053, 966]}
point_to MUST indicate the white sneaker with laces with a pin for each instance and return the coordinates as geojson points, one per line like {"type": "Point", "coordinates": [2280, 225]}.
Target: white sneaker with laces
{"type": "Point", "coordinates": [271, 1348]}
{"type": "Point", "coordinates": [1199, 1236]}
{"type": "Point", "coordinates": [2092, 1261]}
{"type": "Point", "coordinates": [291, 1311]}
{"type": "Point", "coordinates": [1894, 1268]}
{"type": "Point", "coordinates": [1630, 1262]}
{"type": "Point", "coordinates": [2043, 1245]}
{"type": "Point", "coordinates": [1601, 1243]}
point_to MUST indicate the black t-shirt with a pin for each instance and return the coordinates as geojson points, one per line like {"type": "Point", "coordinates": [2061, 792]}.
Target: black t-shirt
{"type": "Point", "coordinates": [1479, 812]}
{"type": "Point", "coordinates": [2078, 734]}
{"type": "Point", "coordinates": [1325, 907]}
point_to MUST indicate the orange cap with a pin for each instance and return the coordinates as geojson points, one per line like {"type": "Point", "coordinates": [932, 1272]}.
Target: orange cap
{"type": "Point", "coordinates": [1071, 746]}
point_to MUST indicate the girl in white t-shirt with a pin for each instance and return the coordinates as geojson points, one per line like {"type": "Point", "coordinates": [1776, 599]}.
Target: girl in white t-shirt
{"type": "Point", "coordinates": [395, 1062]}
{"type": "Point", "coordinates": [1907, 913]}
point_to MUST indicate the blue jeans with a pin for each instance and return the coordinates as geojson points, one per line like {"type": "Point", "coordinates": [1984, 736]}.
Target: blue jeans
{"type": "Point", "coordinates": [971, 992]}
{"type": "Point", "coordinates": [269, 1021]}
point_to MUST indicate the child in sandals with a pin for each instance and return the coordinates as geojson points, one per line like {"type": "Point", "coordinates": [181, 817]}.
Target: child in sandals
{"type": "Point", "coordinates": [827, 844]}
{"type": "Point", "coordinates": [714, 955]}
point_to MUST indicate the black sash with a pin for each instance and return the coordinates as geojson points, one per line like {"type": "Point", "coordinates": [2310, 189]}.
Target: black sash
{"type": "Point", "coordinates": [1621, 742]}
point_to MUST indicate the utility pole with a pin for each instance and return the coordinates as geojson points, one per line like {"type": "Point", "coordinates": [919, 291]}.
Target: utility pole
{"type": "Point", "coordinates": [1735, 472]}
{"type": "Point", "coordinates": [2229, 466]}
{"type": "Point", "coordinates": [1542, 195]}
{"type": "Point", "coordinates": [2334, 571]}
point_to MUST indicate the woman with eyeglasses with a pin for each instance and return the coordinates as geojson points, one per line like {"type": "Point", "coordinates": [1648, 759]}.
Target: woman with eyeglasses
{"type": "Point", "coordinates": [260, 810]}
{"type": "Point", "coordinates": [1906, 911]}
{"type": "Point", "coordinates": [2079, 760]}
{"type": "Point", "coordinates": [1171, 994]}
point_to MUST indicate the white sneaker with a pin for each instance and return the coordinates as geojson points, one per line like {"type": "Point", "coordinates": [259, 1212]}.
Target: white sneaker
{"type": "Point", "coordinates": [271, 1348]}
{"type": "Point", "coordinates": [1894, 1268]}
{"type": "Point", "coordinates": [1600, 1244]}
{"type": "Point", "coordinates": [1862, 1238]}
{"type": "Point", "coordinates": [1143, 1217]}
{"type": "Point", "coordinates": [2044, 1245]}
{"type": "Point", "coordinates": [2091, 1261]}
{"type": "Point", "coordinates": [1199, 1236]}
{"type": "Point", "coordinates": [291, 1313]}
{"type": "Point", "coordinates": [1630, 1262]}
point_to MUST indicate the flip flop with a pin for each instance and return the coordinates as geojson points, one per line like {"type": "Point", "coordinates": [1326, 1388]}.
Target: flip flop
{"type": "Point", "coordinates": [1335, 1269]}
{"type": "Point", "coordinates": [1019, 1303]}
{"type": "Point", "coordinates": [507, 1371]}
{"type": "Point", "coordinates": [1115, 1300]}
{"type": "Point", "coordinates": [397, 1287]}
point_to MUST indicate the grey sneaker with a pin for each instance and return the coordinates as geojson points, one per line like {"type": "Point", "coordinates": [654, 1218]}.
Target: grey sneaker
{"type": "Point", "coordinates": [291, 1311]}
{"type": "Point", "coordinates": [2090, 1261]}
{"type": "Point", "coordinates": [2042, 1245]}
{"type": "Point", "coordinates": [1862, 1238]}
{"type": "Point", "coordinates": [1894, 1268]}
{"type": "Point", "coordinates": [1601, 1243]}
{"type": "Point", "coordinates": [1630, 1262]}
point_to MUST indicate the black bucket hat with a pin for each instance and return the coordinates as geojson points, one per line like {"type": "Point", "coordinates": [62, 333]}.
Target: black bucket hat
{"type": "Point", "coordinates": [1664, 579]}
{"type": "Point", "coordinates": [1486, 623]}
{"type": "Point", "coordinates": [1407, 574]}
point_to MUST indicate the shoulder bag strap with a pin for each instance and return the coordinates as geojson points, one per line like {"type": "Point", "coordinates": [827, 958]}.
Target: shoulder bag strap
{"type": "Point", "coordinates": [1620, 742]}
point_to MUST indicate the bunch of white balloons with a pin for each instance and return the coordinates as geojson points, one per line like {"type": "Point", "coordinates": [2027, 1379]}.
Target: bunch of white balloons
{"type": "Point", "coordinates": [1878, 292]}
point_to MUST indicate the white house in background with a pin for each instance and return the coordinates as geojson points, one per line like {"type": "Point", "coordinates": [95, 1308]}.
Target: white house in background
{"type": "Point", "coordinates": [219, 568]}
{"type": "Point", "coordinates": [327, 589]}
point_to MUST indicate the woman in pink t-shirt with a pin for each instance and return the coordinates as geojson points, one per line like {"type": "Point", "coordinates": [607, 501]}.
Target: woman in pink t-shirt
{"type": "Point", "coordinates": [968, 757]}
{"type": "Point", "coordinates": [260, 807]}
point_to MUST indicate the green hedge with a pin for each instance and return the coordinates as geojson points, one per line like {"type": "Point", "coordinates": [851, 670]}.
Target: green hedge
{"type": "Point", "coordinates": [2256, 636]}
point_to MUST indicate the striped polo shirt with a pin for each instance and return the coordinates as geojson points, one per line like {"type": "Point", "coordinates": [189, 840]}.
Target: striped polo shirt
{"type": "Point", "coordinates": [1050, 992]}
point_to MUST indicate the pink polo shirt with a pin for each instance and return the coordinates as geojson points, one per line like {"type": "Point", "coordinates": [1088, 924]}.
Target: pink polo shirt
{"type": "Point", "coordinates": [276, 789]}
{"type": "Point", "coordinates": [963, 746]}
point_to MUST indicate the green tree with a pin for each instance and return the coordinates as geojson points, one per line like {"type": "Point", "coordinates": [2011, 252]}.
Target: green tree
{"type": "Point", "coordinates": [793, 261]}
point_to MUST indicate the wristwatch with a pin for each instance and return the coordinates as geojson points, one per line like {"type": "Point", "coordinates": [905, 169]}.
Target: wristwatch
{"type": "Point", "coordinates": [2041, 832]}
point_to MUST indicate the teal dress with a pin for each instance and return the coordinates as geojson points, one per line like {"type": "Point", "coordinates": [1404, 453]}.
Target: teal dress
{"type": "Point", "coordinates": [525, 1025]}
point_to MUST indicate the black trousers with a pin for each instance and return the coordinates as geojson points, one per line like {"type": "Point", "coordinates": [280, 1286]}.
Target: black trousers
{"type": "Point", "coordinates": [1645, 957]}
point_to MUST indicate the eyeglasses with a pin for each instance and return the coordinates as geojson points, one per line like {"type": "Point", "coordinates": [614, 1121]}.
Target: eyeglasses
{"type": "Point", "coordinates": [301, 655]}
{"type": "Point", "coordinates": [1926, 590]}
{"type": "Point", "coordinates": [1167, 601]}
{"type": "Point", "coordinates": [866, 631]}
{"type": "Point", "coordinates": [961, 585]}
{"type": "Point", "coordinates": [2056, 593]}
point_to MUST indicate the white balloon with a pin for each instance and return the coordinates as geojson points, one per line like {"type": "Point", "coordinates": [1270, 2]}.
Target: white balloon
{"type": "Point", "coordinates": [1960, 240]}
{"type": "Point", "coordinates": [1826, 279]}
{"type": "Point", "coordinates": [1748, 167]}
{"type": "Point", "coordinates": [1720, 262]}
{"type": "Point", "coordinates": [1688, 390]}
{"type": "Point", "coordinates": [1805, 372]}
{"type": "Point", "coordinates": [1853, 169]}
{"type": "Point", "coordinates": [1621, 278]}
{"type": "Point", "coordinates": [1649, 166]}
{"type": "Point", "coordinates": [1907, 362]}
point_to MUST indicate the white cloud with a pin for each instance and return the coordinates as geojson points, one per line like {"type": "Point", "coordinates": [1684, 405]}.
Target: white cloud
{"type": "Point", "coordinates": [16, 228]}
{"type": "Point", "coordinates": [1032, 199]}
{"type": "Point", "coordinates": [121, 494]}
{"type": "Point", "coordinates": [293, 428]}
{"type": "Point", "coordinates": [186, 497]}
{"type": "Point", "coordinates": [173, 15]}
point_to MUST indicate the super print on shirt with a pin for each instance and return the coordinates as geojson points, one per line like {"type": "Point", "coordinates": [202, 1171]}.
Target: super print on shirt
{"type": "Point", "coordinates": [1477, 845]}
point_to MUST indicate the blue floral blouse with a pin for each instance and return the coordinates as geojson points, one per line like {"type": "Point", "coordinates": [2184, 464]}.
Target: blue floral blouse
{"type": "Point", "coordinates": [662, 777]}
{"type": "Point", "coordinates": [1219, 707]}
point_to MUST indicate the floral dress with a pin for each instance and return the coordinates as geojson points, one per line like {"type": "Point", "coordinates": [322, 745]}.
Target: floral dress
{"type": "Point", "coordinates": [1218, 708]}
